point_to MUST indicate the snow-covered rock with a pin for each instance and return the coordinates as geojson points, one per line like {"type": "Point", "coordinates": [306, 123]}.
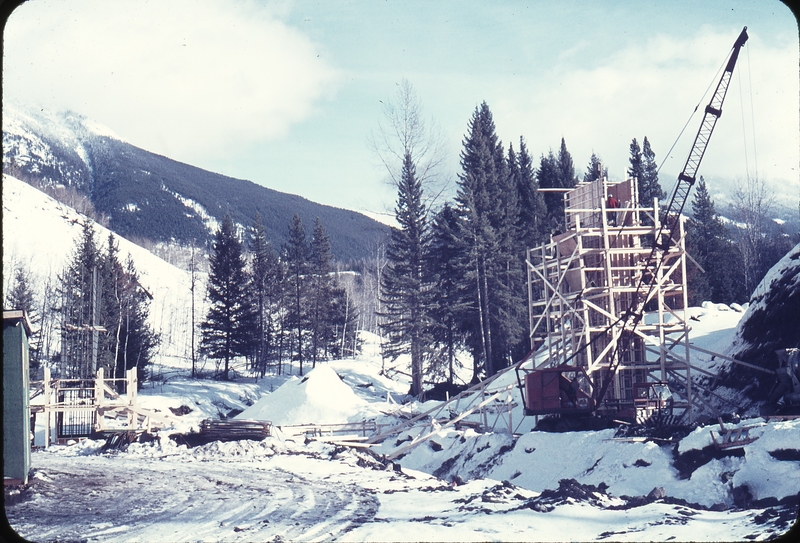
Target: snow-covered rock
{"type": "Point", "coordinates": [771, 322]}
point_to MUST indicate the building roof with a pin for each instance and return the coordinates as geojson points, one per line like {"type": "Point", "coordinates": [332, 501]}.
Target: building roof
{"type": "Point", "coordinates": [14, 316]}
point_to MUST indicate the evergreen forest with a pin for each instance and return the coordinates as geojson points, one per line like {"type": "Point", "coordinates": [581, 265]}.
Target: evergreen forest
{"type": "Point", "coordinates": [447, 289]}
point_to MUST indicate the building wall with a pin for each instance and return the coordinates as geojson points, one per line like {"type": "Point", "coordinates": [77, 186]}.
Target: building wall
{"type": "Point", "coordinates": [16, 402]}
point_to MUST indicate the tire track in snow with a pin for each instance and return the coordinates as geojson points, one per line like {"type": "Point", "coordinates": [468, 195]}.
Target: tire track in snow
{"type": "Point", "coordinates": [113, 498]}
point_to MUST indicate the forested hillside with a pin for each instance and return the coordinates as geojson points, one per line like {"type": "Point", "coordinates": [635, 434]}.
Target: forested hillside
{"type": "Point", "coordinates": [147, 196]}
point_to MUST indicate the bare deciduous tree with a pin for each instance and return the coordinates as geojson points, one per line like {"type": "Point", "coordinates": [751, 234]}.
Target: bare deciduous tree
{"type": "Point", "coordinates": [750, 208]}
{"type": "Point", "coordinates": [404, 130]}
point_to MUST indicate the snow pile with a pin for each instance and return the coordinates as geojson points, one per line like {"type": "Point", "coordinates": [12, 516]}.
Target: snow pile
{"type": "Point", "coordinates": [318, 398]}
{"type": "Point", "coordinates": [292, 490]}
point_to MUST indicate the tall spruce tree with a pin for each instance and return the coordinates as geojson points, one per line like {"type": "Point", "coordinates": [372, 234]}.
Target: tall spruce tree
{"type": "Point", "coordinates": [113, 278]}
{"type": "Point", "coordinates": [21, 296]}
{"type": "Point", "coordinates": [405, 287]}
{"type": "Point", "coordinates": [555, 172]}
{"type": "Point", "coordinates": [649, 187]}
{"type": "Point", "coordinates": [448, 264]}
{"type": "Point", "coordinates": [136, 341]}
{"type": "Point", "coordinates": [710, 246]}
{"type": "Point", "coordinates": [593, 171]}
{"type": "Point", "coordinates": [636, 168]}
{"type": "Point", "coordinates": [532, 219]}
{"type": "Point", "coordinates": [321, 295]}
{"type": "Point", "coordinates": [228, 330]}
{"type": "Point", "coordinates": [489, 228]}
{"type": "Point", "coordinates": [79, 297]}
{"type": "Point", "coordinates": [566, 167]}
{"type": "Point", "coordinates": [296, 256]}
{"type": "Point", "coordinates": [267, 293]}
{"type": "Point", "coordinates": [548, 177]}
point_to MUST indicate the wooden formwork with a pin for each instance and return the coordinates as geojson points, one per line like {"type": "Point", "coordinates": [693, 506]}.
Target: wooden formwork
{"type": "Point", "coordinates": [80, 407]}
{"type": "Point", "coordinates": [583, 280]}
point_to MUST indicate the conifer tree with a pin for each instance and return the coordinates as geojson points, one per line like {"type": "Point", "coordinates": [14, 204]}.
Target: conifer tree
{"type": "Point", "coordinates": [136, 342]}
{"type": "Point", "coordinates": [555, 172]}
{"type": "Point", "coordinates": [649, 187]}
{"type": "Point", "coordinates": [566, 167]}
{"type": "Point", "coordinates": [532, 221]}
{"type": "Point", "coordinates": [711, 248]}
{"type": "Point", "coordinates": [79, 298]}
{"type": "Point", "coordinates": [21, 296]}
{"type": "Point", "coordinates": [547, 176]}
{"type": "Point", "coordinates": [296, 255]}
{"type": "Point", "coordinates": [405, 287]}
{"type": "Point", "coordinates": [267, 281]}
{"type": "Point", "coordinates": [593, 169]}
{"type": "Point", "coordinates": [636, 169]}
{"type": "Point", "coordinates": [448, 264]}
{"type": "Point", "coordinates": [489, 216]}
{"type": "Point", "coordinates": [228, 330]}
{"type": "Point", "coordinates": [113, 279]}
{"type": "Point", "coordinates": [321, 294]}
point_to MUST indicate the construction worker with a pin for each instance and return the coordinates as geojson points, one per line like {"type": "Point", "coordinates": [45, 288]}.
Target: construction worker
{"type": "Point", "coordinates": [612, 205]}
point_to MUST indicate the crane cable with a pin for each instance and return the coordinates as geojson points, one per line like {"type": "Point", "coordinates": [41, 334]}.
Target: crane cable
{"type": "Point", "coordinates": [752, 123]}
{"type": "Point", "coordinates": [752, 114]}
{"type": "Point", "coordinates": [691, 115]}
{"type": "Point", "coordinates": [744, 132]}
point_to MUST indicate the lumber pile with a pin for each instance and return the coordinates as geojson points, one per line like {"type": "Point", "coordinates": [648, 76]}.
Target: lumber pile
{"type": "Point", "coordinates": [234, 429]}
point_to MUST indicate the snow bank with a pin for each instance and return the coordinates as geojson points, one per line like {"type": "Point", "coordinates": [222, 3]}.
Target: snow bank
{"type": "Point", "coordinates": [537, 461]}
{"type": "Point", "coordinates": [318, 398]}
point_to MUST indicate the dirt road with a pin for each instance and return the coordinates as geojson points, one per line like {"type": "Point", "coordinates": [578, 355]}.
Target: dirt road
{"type": "Point", "coordinates": [111, 498]}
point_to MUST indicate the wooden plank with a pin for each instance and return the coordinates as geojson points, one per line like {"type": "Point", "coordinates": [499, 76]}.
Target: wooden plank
{"type": "Point", "coordinates": [356, 444]}
{"type": "Point", "coordinates": [339, 438]}
{"type": "Point", "coordinates": [736, 437]}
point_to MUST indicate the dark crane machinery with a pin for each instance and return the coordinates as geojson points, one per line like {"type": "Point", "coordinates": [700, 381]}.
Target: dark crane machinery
{"type": "Point", "coordinates": [646, 288]}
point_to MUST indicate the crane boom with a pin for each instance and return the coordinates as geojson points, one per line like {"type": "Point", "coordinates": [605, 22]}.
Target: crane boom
{"type": "Point", "coordinates": [669, 224]}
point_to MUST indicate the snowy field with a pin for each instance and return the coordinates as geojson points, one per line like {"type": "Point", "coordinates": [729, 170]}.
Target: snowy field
{"type": "Point", "coordinates": [459, 486]}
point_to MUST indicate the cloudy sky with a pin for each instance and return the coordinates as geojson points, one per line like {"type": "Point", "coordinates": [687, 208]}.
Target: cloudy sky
{"type": "Point", "coordinates": [286, 93]}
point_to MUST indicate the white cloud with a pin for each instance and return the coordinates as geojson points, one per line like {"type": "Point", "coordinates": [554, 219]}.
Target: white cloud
{"type": "Point", "coordinates": [651, 90]}
{"type": "Point", "coordinates": [208, 76]}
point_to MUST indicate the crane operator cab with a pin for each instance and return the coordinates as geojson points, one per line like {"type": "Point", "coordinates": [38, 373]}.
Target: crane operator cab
{"type": "Point", "coordinates": [563, 389]}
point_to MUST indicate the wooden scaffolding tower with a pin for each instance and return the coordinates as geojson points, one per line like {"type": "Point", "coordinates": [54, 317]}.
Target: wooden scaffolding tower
{"type": "Point", "coordinates": [582, 282]}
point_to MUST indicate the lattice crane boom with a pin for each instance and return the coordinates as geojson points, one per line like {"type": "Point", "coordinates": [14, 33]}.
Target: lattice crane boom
{"type": "Point", "coordinates": [669, 224]}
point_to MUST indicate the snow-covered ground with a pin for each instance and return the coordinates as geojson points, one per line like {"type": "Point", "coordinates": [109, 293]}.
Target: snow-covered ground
{"type": "Point", "coordinates": [461, 485]}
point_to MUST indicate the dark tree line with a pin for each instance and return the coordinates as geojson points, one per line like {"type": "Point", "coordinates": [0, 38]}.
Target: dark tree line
{"type": "Point", "coordinates": [103, 310]}
{"type": "Point", "coordinates": [455, 278]}
{"type": "Point", "coordinates": [267, 308]}
{"type": "Point", "coordinates": [731, 259]}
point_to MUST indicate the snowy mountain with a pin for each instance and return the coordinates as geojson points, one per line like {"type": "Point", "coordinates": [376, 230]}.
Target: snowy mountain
{"type": "Point", "coordinates": [149, 196]}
